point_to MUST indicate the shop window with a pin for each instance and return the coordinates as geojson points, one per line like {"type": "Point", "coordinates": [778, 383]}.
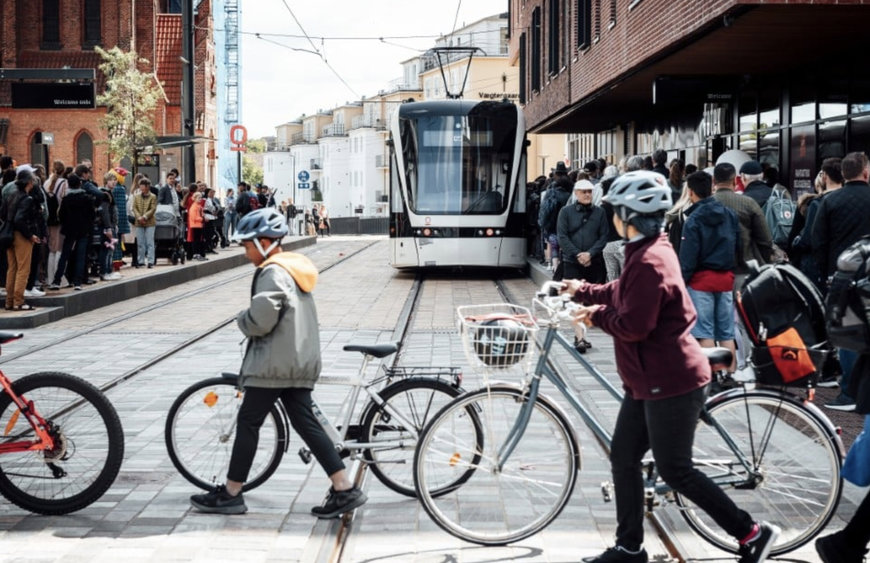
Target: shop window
{"type": "Point", "coordinates": [832, 139]}
{"type": "Point", "coordinates": [84, 147]}
{"type": "Point", "coordinates": [50, 24]}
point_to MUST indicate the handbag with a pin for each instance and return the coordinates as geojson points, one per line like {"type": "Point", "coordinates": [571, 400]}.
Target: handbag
{"type": "Point", "coordinates": [856, 468]}
{"type": "Point", "coordinates": [7, 234]}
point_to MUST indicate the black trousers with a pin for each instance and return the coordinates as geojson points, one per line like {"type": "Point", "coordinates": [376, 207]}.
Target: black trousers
{"type": "Point", "coordinates": [595, 272]}
{"type": "Point", "coordinates": [256, 405]}
{"type": "Point", "coordinates": [667, 427]}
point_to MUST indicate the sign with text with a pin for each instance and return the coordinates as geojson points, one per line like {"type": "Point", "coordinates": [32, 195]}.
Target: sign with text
{"type": "Point", "coordinates": [238, 138]}
{"type": "Point", "coordinates": [48, 95]}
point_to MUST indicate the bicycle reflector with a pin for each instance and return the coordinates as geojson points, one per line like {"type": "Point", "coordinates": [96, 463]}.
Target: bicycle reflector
{"type": "Point", "coordinates": [500, 342]}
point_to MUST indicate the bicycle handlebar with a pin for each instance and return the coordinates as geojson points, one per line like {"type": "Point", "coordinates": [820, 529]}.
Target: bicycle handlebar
{"type": "Point", "coordinates": [559, 306]}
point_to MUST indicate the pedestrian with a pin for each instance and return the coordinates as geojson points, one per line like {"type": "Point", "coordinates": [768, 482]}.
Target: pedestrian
{"type": "Point", "coordinates": [554, 199]}
{"type": "Point", "coordinates": [664, 372]}
{"type": "Point", "coordinates": [709, 252]}
{"type": "Point", "coordinates": [325, 226]}
{"type": "Point", "coordinates": [290, 212]}
{"type": "Point", "coordinates": [196, 224]}
{"type": "Point", "coordinates": [752, 176]}
{"type": "Point", "coordinates": [315, 218]}
{"type": "Point", "coordinates": [582, 230]}
{"type": "Point", "coordinates": [843, 217]}
{"type": "Point", "coordinates": [119, 194]}
{"type": "Point", "coordinates": [231, 217]}
{"type": "Point", "coordinates": [24, 214]}
{"type": "Point", "coordinates": [144, 211]}
{"type": "Point", "coordinates": [282, 360]}
{"type": "Point", "coordinates": [76, 214]}
{"type": "Point", "coordinates": [55, 188]}
{"type": "Point", "coordinates": [754, 233]}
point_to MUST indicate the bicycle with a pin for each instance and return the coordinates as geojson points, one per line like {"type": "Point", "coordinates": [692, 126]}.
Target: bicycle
{"type": "Point", "coordinates": [62, 443]}
{"type": "Point", "coordinates": [201, 423]}
{"type": "Point", "coordinates": [770, 450]}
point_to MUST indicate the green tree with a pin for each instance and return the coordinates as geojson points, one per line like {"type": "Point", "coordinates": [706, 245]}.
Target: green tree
{"type": "Point", "coordinates": [256, 145]}
{"type": "Point", "coordinates": [251, 173]}
{"type": "Point", "coordinates": [130, 98]}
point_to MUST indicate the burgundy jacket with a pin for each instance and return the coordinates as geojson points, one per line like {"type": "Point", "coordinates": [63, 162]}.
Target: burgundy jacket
{"type": "Point", "coordinates": [649, 314]}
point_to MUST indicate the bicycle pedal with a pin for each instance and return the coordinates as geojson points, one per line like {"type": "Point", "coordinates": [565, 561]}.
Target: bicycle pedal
{"type": "Point", "coordinates": [305, 455]}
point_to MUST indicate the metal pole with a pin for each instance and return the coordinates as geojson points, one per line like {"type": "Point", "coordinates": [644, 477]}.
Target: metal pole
{"type": "Point", "coordinates": [188, 117]}
{"type": "Point", "coordinates": [239, 166]}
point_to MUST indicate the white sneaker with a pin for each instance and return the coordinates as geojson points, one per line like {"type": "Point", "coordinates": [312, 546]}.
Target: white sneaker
{"type": "Point", "coordinates": [33, 293]}
{"type": "Point", "coordinates": [2, 292]}
{"type": "Point", "coordinates": [744, 374]}
{"type": "Point", "coordinates": [111, 277]}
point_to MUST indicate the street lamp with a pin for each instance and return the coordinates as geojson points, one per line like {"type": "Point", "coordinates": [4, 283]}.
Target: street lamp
{"type": "Point", "coordinates": [543, 158]}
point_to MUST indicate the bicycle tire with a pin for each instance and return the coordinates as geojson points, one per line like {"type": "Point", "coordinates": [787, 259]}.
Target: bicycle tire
{"type": "Point", "coordinates": [799, 463]}
{"type": "Point", "coordinates": [394, 467]}
{"type": "Point", "coordinates": [199, 433]}
{"type": "Point", "coordinates": [89, 444]}
{"type": "Point", "coordinates": [497, 506]}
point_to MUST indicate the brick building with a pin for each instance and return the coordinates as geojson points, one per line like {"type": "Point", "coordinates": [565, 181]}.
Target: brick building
{"type": "Point", "coordinates": [787, 82]}
{"type": "Point", "coordinates": [54, 34]}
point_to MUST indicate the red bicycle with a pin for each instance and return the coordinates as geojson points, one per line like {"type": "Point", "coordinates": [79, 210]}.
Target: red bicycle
{"type": "Point", "coordinates": [61, 441]}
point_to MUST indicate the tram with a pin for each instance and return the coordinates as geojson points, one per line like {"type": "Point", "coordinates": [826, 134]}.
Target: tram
{"type": "Point", "coordinates": [458, 185]}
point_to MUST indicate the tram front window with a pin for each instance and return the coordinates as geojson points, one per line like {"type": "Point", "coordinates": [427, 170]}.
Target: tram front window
{"type": "Point", "coordinates": [458, 164]}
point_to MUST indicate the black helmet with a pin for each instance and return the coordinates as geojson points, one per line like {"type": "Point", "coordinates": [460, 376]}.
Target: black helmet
{"type": "Point", "coordinates": [500, 343]}
{"type": "Point", "coordinates": [639, 193]}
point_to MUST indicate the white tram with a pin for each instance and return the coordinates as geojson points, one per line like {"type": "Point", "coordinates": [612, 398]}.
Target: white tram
{"type": "Point", "coordinates": [458, 185]}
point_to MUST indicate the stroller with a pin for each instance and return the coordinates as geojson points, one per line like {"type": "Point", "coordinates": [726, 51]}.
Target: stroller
{"type": "Point", "coordinates": [167, 235]}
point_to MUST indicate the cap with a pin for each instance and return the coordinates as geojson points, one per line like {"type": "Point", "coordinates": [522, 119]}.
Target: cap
{"type": "Point", "coordinates": [561, 168]}
{"type": "Point", "coordinates": [583, 185]}
{"type": "Point", "coordinates": [751, 167]}
{"type": "Point", "coordinates": [25, 167]}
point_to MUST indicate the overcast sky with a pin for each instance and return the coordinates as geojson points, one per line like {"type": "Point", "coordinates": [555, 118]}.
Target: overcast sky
{"type": "Point", "coordinates": [280, 84]}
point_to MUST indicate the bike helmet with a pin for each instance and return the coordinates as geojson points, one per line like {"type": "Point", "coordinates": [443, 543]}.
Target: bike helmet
{"type": "Point", "coordinates": [262, 223]}
{"type": "Point", "coordinates": [500, 343]}
{"type": "Point", "coordinates": [639, 193]}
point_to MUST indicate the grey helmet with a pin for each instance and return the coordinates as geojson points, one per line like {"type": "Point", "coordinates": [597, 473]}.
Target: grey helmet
{"type": "Point", "coordinates": [261, 223]}
{"type": "Point", "coordinates": [639, 193]}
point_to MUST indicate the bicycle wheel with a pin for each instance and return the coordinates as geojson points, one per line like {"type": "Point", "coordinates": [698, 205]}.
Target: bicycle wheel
{"type": "Point", "coordinates": [201, 428]}
{"type": "Point", "coordinates": [793, 453]}
{"type": "Point", "coordinates": [417, 400]}
{"type": "Point", "coordinates": [89, 444]}
{"type": "Point", "coordinates": [496, 505]}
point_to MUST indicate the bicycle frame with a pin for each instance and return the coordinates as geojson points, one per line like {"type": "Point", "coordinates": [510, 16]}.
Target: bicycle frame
{"type": "Point", "coordinates": [45, 441]}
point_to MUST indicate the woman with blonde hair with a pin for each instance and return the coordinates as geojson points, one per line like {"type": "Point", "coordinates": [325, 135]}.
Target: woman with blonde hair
{"type": "Point", "coordinates": [55, 189]}
{"type": "Point", "coordinates": [675, 218]}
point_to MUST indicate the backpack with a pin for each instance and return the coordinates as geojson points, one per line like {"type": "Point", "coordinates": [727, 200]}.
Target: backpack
{"type": "Point", "coordinates": [848, 301]}
{"type": "Point", "coordinates": [779, 213]}
{"type": "Point", "coordinates": [784, 315]}
{"type": "Point", "coordinates": [52, 204]}
{"type": "Point", "coordinates": [246, 203]}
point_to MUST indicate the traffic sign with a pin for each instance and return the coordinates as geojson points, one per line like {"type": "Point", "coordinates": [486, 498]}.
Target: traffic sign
{"type": "Point", "coordinates": [304, 185]}
{"type": "Point", "coordinates": [303, 175]}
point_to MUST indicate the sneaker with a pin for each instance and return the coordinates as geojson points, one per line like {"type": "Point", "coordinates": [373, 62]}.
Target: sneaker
{"type": "Point", "coordinates": [150, 266]}
{"type": "Point", "coordinates": [842, 403]}
{"type": "Point", "coordinates": [758, 548]}
{"type": "Point", "coordinates": [581, 345]}
{"type": "Point", "coordinates": [2, 292]}
{"type": "Point", "coordinates": [618, 554]}
{"type": "Point", "coordinates": [111, 277]}
{"type": "Point", "coordinates": [54, 286]}
{"type": "Point", "coordinates": [833, 549]}
{"type": "Point", "coordinates": [339, 502]}
{"type": "Point", "coordinates": [828, 382]}
{"type": "Point", "coordinates": [77, 288]}
{"type": "Point", "coordinates": [33, 293]}
{"type": "Point", "coordinates": [219, 501]}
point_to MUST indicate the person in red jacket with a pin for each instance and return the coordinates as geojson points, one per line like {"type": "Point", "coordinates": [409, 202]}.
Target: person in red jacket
{"type": "Point", "coordinates": [665, 373]}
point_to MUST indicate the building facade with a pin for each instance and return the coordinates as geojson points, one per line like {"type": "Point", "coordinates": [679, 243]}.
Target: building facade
{"type": "Point", "coordinates": [54, 35]}
{"type": "Point", "coordinates": [779, 80]}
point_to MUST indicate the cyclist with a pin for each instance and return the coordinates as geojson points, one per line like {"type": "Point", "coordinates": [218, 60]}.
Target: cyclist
{"type": "Point", "coordinates": [664, 372]}
{"type": "Point", "coordinates": [282, 360]}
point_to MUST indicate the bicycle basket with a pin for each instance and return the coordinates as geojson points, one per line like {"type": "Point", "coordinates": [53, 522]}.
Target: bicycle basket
{"type": "Point", "coordinates": [497, 336]}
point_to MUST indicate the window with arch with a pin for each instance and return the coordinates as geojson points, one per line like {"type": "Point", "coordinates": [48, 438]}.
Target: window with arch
{"type": "Point", "coordinates": [50, 24]}
{"type": "Point", "coordinates": [84, 147]}
{"type": "Point", "coordinates": [38, 151]}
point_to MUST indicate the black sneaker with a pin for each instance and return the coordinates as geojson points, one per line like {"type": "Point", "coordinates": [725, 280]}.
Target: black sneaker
{"type": "Point", "coordinates": [842, 403]}
{"type": "Point", "coordinates": [758, 548]}
{"type": "Point", "coordinates": [339, 502]}
{"type": "Point", "coordinates": [581, 345]}
{"type": "Point", "coordinates": [618, 554]}
{"type": "Point", "coordinates": [219, 501]}
{"type": "Point", "coordinates": [833, 549]}
{"type": "Point", "coordinates": [829, 382]}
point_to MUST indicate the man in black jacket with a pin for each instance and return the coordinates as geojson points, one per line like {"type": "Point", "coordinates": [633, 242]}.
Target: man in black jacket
{"type": "Point", "coordinates": [843, 217]}
{"type": "Point", "coordinates": [752, 176]}
{"type": "Point", "coordinates": [582, 230]}
{"type": "Point", "coordinates": [76, 216]}
{"type": "Point", "coordinates": [553, 200]}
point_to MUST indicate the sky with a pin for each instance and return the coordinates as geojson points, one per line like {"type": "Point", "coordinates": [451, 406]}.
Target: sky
{"type": "Point", "coordinates": [280, 84]}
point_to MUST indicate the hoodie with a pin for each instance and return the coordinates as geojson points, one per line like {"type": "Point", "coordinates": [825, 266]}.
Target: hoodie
{"type": "Point", "coordinates": [281, 325]}
{"type": "Point", "coordinates": [710, 239]}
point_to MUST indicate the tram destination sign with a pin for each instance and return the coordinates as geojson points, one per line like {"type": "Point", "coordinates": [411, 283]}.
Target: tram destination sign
{"type": "Point", "coordinates": [47, 95]}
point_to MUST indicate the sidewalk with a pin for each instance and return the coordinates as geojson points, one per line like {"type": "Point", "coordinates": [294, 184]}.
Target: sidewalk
{"type": "Point", "coordinates": [58, 304]}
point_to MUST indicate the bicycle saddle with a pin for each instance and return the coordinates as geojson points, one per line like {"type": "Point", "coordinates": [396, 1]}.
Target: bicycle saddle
{"type": "Point", "coordinates": [376, 350]}
{"type": "Point", "coordinates": [718, 355]}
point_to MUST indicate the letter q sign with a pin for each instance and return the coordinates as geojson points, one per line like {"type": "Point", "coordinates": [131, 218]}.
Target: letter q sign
{"type": "Point", "coordinates": [238, 138]}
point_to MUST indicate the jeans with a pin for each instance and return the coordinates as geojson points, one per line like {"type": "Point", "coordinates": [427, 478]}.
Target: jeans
{"type": "Point", "coordinates": [847, 362]}
{"type": "Point", "coordinates": [145, 244]}
{"type": "Point", "coordinates": [256, 405]}
{"type": "Point", "coordinates": [667, 426]}
{"type": "Point", "coordinates": [75, 252]}
{"type": "Point", "coordinates": [715, 314]}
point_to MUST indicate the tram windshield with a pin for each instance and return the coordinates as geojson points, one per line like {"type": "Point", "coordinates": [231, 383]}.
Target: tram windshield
{"type": "Point", "coordinates": [460, 164]}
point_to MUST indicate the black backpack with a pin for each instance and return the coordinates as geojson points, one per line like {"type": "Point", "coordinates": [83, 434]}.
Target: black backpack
{"type": "Point", "coordinates": [848, 300]}
{"type": "Point", "coordinates": [243, 204]}
{"type": "Point", "coordinates": [784, 316]}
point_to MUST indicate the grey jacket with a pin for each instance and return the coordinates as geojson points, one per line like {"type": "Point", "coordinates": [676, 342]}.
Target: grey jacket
{"type": "Point", "coordinates": [281, 325]}
{"type": "Point", "coordinates": [581, 229]}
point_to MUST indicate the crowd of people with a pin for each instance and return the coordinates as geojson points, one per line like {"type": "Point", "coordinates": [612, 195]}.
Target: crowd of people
{"type": "Point", "coordinates": [657, 252]}
{"type": "Point", "coordinates": [64, 228]}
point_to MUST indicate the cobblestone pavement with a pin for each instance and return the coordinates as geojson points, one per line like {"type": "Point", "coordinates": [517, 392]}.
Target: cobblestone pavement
{"type": "Point", "coordinates": [145, 516]}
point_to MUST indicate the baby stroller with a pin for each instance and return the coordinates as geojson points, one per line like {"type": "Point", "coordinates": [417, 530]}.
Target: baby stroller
{"type": "Point", "coordinates": [167, 234]}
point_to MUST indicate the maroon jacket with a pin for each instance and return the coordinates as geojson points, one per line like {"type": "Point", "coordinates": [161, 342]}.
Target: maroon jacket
{"type": "Point", "coordinates": [649, 314]}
